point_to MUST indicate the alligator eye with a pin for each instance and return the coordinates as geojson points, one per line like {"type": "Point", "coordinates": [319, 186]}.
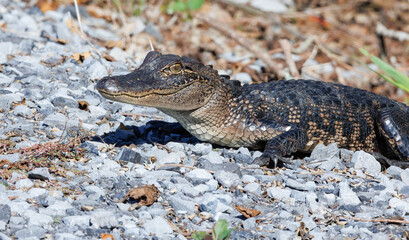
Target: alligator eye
{"type": "Point", "coordinates": [176, 68]}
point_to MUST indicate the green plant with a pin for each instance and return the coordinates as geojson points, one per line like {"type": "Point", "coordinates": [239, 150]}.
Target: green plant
{"type": "Point", "coordinates": [221, 231]}
{"type": "Point", "coordinates": [183, 6]}
{"type": "Point", "coordinates": [390, 73]}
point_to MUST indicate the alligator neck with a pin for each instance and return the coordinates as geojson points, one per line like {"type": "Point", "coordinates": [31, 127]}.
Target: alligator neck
{"type": "Point", "coordinates": [209, 122]}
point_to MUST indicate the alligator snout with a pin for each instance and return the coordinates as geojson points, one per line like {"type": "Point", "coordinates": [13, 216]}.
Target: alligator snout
{"type": "Point", "coordinates": [108, 85]}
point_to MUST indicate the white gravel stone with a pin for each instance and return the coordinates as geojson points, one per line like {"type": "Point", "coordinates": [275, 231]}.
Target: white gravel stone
{"type": "Point", "coordinates": [200, 175]}
{"type": "Point", "coordinates": [97, 111]}
{"type": "Point", "coordinates": [97, 70]}
{"type": "Point", "coordinates": [83, 221]}
{"type": "Point", "coordinates": [227, 179]}
{"type": "Point", "coordinates": [253, 188]}
{"type": "Point", "coordinates": [214, 157]}
{"type": "Point", "coordinates": [279, 193]}
{"type": "Point", "coordinates": [399, 203]}
{"type": "Point", "coordinates": [103, 219]}
{"type": "Point", "coordinates": [404, 175]}
{"type": "Point", "coordinates": [158, 226]}
{"type": "Point", "coordinates": [366, 162]}
{"type": "Point", "coordinates": [243, 77]}
{"type": "Point", "coordinates": [35, 192]}
{"type": "Point", "coordinates": [348, 196]}
{"type": "Point", "coordinates": [24, 183]}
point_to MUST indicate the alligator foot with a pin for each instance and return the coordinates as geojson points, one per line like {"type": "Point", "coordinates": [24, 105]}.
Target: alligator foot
{"type": "Point", "coordinates": [274, 161]}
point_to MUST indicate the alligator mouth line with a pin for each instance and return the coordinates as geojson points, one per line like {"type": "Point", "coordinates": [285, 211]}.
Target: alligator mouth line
{"type": "Point", "coordinates": [124, 94]}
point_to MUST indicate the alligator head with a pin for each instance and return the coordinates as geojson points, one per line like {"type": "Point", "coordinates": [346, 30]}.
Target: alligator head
{"type": "Point", "coordinates": [164, 81]}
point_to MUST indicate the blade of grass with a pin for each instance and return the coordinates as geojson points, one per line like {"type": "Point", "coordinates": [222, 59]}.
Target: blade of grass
{"type": "Point", "coordinates": [391, 74]}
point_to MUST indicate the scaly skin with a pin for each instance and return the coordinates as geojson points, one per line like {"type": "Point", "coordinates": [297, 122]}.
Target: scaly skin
{"type": "Point", "coordinates": [282, 116]}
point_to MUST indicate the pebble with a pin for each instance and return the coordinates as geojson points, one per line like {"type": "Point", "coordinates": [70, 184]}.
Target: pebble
{"type": "Point", "coordinates": [227, 179]}
{"type": "Point", "coordinates": [279, 193]}
{"type": "Point", "coordinates": [158, 226]}
{"type": "Point", "coordinates": [199, 175]}
{"type": "Point", "coordinates": [366, 162]}
{"type": "Point", "coordinates": [24, 183]}
{"type": "Point", "coordinates": [348, 196]}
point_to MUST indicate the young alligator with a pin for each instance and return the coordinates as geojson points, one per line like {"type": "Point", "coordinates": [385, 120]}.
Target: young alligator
{"type": "Point", "coordinates": [281, 116]}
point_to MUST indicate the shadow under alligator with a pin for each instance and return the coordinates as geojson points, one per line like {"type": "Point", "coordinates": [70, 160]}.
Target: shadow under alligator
{"type": "Point", "coordinates": [153, 132]}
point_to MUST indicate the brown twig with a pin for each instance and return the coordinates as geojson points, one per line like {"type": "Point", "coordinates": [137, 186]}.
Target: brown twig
{"type": "Point", "coordinates": [181, 165]}
{"type": "Point", "coordinates": [286, 46]}
{"type": "Point", "coordinates": [399, 35]}
{"type": "Point", "coordinates": [250, 46]}
{"type": "Point", "coordinates": [381, 220]}
{"type": "Point", "coordinates": [142, 115]}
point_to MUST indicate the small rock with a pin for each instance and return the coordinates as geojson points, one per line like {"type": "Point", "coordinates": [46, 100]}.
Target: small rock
{"type": "Point", "coordinates": [103, 219]}
{"type": "Point", "coordinates": [215, 203]}
{"type": "Point", "coordinates": [158, 226]}
{"type": "Point", "coordinates": [308, 186]}
{"type": "Point", "coordinates": [4, 80]}
{"type": "Point", "coordinates": [128, 155]}
{"type": "Point", "coordinates": [404, 190]}
{"type": "Point", "coordinates": [22, 110]}
{"type": "Point", "coordinates": [97, 70]}
{"type": "Point", "coordinates": [30, 232]}
{"type": "Point", "coordinates": [322, 152]}
{"type": "Point", "coordinates": [348, 196]}
{"type": "Point", "coordinates": [399, 203]}
{"type": "Point", "coordinates": [5, 213]}
{"type": "Point", "coordinates": [404, 175]}
{"type": "Point", "coordinates": [243, 77]}
{"type": "Point", "coordinates": [214, 157]}
{"type": "Point", "coordinates": [119, 54]}
{"type": "Point", "coordinates": [24, 183]}
{"type": "Point", "coordinates": [279, 193]}
{"type": "Point", "coordinates": [366, 162]}
{"type": "Point", "coordinates": [83, 221]}
{"type": "Point", "coordinates": [227, 179]}
{"type": "Point", "coordinates": [11, 157]}
{"type": "Point", "coordinates": [202, 148]}
{"type": "Point", "coordinates": [199, 175]}
{"type": "Point", "coordinates": [182, 205]}
{"type": "Point", "coordinates": [249, 224]}
{"type": "Point", "coordinates": [95, 190]}
{"type": "Point", "coordinates": [38, 219]}
{"type": "Point", "coordinates": [66, 236]}
{"type": "Point", "coordinates": [35, 192]}
{"type": "Point", "coordinates": [97, 111]}
{"type": "Point", "coordinates": [39, 173]}
{"type": "Point", "coordinates": [63, 101]}
{"type": "Point", "coordinates": [394, 171]}
{"type": "Point", "coordinates": [253, 188]}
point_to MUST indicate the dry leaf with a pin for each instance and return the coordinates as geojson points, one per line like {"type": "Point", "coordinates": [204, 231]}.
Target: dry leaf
{"type": "Point", "coordinates": [4, 162]}
{"type": "Point", "coordinates": [11, 198]}
{"type": "Point", "coordinates": [248, 213]}
{"type": "Point", "coordinates": [303, 232]}
{"type": "Point", "coordinates": [108, 57]}
{"type": "Point", "coordinates": [145, 195]}
{"type": "Point", "coordinates": [83, 105]}
{"type": "Point", "coordinates": [106, 236]}
{"type": "Point", "coordinates": [111, 44]}
{"type": "Point", "coordinates": [47, 5]}
{"type": "Point", "coordinates": [80, 57]}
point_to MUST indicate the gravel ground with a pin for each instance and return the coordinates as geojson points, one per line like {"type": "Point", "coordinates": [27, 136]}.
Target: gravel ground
{"type": "Point", "coordinates": [43, 90]}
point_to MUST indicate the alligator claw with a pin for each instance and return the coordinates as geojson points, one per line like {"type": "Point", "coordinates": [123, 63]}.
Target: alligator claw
{"type": "Point", "coordinates": [276, 161]}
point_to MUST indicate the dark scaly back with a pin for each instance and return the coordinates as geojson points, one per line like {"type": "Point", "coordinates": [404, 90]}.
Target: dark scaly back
{"type": "Point", "coordinates": [329, 112]}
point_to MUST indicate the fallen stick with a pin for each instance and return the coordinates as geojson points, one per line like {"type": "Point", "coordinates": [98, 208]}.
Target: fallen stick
{"type": "Point", "coordinates": [250, 46]}
{"type": "Point", "coordinates": [286, 46]}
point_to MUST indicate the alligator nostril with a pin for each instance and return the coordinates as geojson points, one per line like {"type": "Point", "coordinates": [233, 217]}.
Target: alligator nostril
{"type": "Point", "coordinates": [108, 84]}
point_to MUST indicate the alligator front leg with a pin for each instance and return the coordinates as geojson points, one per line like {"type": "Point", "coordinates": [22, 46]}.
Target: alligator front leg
{"type": "Point", "coordinates": [288, 142]}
